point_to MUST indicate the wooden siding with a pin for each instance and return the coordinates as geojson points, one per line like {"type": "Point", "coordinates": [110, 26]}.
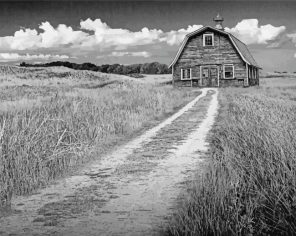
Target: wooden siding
{"type": "Point", "coordinates": [223, 52]}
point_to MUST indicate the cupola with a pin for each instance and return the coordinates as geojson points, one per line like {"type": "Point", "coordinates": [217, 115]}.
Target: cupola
{"type": "Point", "coordinates": [218, 21]}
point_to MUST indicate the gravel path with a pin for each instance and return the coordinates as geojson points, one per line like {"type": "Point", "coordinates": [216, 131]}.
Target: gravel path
{"type": "Point", "coordinates": [129, 192]}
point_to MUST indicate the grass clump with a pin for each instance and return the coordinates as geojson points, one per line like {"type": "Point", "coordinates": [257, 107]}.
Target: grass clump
{"type": "Point", "coordinates": [250, 185]}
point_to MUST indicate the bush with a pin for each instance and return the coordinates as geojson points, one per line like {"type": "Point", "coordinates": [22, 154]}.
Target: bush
{"type": "Point", "coordinates": [147, 68]}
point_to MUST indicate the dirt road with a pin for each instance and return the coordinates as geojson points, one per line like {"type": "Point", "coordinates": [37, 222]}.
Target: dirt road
{"type": "Point", "coordinates": [131, 191]}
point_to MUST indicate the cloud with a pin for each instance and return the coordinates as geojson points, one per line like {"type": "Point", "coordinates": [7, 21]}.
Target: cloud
{"type": "Point", "coordinates": [292, 36]}
{"type": "Point", "coordinates": [249, 32]}
{"type": "Point", "coordinates": [50, 37]}
{"type": "Point", "coordinates": [92, 34]}
{"type": "Point", "coordinates": [176, 37]}
{"type": "Point", "coordinates": [95, 37]}
{"type": "Point", "coordinates": [4, 57]}
{"type": "Point", "coordinates": [134, 54]}
{"type": "Point", "coordinates": [105, 36]}
{"type": "Point", "coordinates": [96, 34]}
{"type": "Point", "coordinates": [121, 38]}
{"type": "Point", "coordinates": [62, 35]}
{"type": "Point", "coordinates": [21, 40]}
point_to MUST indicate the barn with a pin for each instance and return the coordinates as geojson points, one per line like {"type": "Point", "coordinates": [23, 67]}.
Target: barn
{"type": "Point", "coordinates": [212, 57]}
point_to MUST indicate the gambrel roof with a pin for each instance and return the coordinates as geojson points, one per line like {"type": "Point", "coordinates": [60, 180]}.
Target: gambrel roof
{"type": "Point", "coordinates": [241, 48]}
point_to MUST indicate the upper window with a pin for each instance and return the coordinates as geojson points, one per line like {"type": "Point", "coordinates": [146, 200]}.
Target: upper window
{"type": "Point", "coordinates": [185, 74]}
{"type": "Point", "coordinates": [208, 40]}
{"type": "Point", "coordinates": [228, 71]}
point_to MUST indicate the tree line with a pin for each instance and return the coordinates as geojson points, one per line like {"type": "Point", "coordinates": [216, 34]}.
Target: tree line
{"type": "Point", "coordinates": [146, 68]}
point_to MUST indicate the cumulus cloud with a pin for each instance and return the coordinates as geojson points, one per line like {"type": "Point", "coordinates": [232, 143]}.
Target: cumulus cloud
{"type": "Point", "coordinates": [97, 36]}
{"type": "Point", "coordinates": [92, 34]}
{"type": "Point", "coordinates": [22, 39]}
{"type": "Point", "coordinates": [122, 38]}
{"type": "Point", "coordinates": [62, 35]}
{"type": "Point", "coordinates": [50, 37]}
{"type": "Point", "coordinates": [175, 37]}
{"type": "Point", "coordinates": [134, 54]}
{"type": "Point", "coordinates": [4, 57]}
{"type": "Point", "coordinates": [105, 36]}
{"type": "Point", "coordinates": [250, 32]}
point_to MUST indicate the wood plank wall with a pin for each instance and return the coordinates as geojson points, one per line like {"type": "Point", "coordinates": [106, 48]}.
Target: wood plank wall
{"type": "Point", "coordinates": [223, 52]}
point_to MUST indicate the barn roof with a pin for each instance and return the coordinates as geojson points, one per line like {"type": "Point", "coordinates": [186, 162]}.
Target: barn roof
{"type": "Point", "coordinates": [244, 51]}
{"type": "Point", "coordinates": [241, 48]}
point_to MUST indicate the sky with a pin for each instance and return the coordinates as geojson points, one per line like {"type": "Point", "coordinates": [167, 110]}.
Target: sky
{"type": "Point", "coordinates": [140, 31]}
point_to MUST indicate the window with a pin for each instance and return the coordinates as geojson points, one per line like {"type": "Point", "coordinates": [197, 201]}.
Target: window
{"type": "Point", "coordinates": [228, 71]}
{"type": "Point", "coordinates": [208, 39]}
{"type": "Point", "coordinates": [185, 74]}
{"type": "Point", "coordinates": [205, 72]}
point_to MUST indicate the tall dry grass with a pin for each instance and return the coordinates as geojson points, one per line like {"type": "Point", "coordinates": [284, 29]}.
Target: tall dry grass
{"type": "Point", "coordinates": [41, 141]}
{"type": "Point", "coordinates": [250, 185]}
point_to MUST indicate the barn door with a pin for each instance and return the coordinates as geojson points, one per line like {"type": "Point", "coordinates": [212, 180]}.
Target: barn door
{"type": "Point", "coordinates": [209, 76]}
{"type": "Point", "coordinates": [214, 77]}
{"type": "Point", "coordinates": [205, 75]}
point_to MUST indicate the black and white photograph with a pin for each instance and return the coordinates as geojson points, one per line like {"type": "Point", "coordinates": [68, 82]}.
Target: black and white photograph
{"type": "Point", "coordinates": [148, 118]}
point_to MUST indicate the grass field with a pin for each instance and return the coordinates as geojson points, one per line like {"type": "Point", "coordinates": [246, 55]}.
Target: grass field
{"type": "Point", "coordinates": [54, 119]}
{"type": "Point", "coordinates": [250, 185]}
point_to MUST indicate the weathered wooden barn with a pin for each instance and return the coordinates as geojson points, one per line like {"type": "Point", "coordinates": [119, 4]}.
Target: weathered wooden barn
{"type": "Point", "coordinates": [212, 57]}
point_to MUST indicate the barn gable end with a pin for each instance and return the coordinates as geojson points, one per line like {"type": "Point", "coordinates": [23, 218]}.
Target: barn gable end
{"type": "Point", "coordinates": [227, 62]}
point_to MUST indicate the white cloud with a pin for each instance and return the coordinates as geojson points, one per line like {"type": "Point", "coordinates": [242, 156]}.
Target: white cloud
{"type": "Point", "coordinates": [62, 35]}
{"type": "Point", "coordinates": [50, 37]}
{"type": "Point", "coordinates": [4, 57]}
{"type": "Point", "coordinates": [92, 34]}
{"type": "Point", "coordinates": [105, 37]}
{"type": "Point", "coordinates": [134, 54]}
{"type": "Point", "coordinates": [249, 32]}
{"type": "Point", "coordinates": [97, 36]}
{"type": "Point", "coordinates": [121, 38]}
{"type": "Point", "coordinates": [22, 39]}
{"type": "Point", "coordinates": [176, 37]}
{"type": "Point", "coordinates": [292, 36]}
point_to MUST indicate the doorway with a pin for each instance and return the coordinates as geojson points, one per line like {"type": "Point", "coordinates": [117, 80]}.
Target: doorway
{"type": "Point", "coordinates": [209, 76]}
